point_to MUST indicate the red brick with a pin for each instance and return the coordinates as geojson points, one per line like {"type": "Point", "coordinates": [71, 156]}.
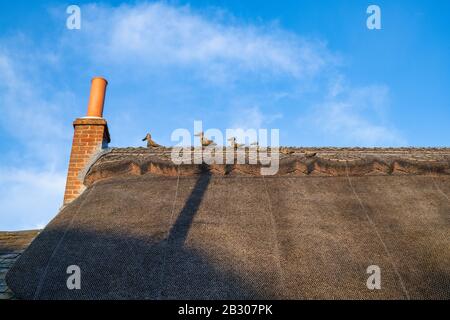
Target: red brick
{"type": "Point", "coordinates": [88, 136]}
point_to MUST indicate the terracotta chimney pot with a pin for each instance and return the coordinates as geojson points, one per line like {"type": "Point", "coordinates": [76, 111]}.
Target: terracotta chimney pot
{"type": "Point", "coordinates": [97, 97]}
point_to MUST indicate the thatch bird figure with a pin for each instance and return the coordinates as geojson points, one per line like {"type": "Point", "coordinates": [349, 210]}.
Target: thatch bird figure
{"type": "Point", "coordinates": [234, 144]}
{"type": "Point", "coordinates": [309, 154]}
{"type": "Point", "coordinates": [150, 142]}
{"type": "Point", "coordinates": [204, 141]}
{"type": "Point", "coordinates": [286, 151]}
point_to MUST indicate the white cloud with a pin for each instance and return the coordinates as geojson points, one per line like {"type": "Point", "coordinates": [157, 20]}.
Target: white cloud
{"type": "Point", "coordinates": [34, 121]}
{"type": "Point", "coordinates": [252, 118]}
{"type": "Point", "coordinates": [218, 48]}
{"type": "Point", "coordinates": [31, 176]}
{"type": "Point", "coordinates": [355, 116]}
{"type": "Point", "coordinates": [29, 198]}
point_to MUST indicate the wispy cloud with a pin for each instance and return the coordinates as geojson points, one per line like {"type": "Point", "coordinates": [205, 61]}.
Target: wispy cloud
{"type": "Point", "coordinates": [31, 118]}
{"type": "Point", "coordinates": [214, 45]}
{"type": "Point", "coordinates": [29, 198]}
{"type": "Point", "coordinates": [32, 173]}
{"type": "Point", "coordinates": [252, 118]}
{"type": "Point", "coordinates": [354, 116]}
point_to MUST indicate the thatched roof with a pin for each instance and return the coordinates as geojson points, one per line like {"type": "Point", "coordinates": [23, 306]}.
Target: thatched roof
{"type": "Point", "coordinates": [145, 228]}
{"type": "Point", "coordinates": [12, 242]}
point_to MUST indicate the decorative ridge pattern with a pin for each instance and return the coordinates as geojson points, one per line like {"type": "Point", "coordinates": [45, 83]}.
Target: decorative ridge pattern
{"type": "Point", "coordinates": [293, 161]}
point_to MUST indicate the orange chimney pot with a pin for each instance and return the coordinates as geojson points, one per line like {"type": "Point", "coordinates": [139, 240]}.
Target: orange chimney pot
{"type": "Point", "coordinates": [97, 97]}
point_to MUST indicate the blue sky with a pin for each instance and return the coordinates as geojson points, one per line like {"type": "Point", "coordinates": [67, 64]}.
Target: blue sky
{"type": "Point", "coordinates": [309, 68]}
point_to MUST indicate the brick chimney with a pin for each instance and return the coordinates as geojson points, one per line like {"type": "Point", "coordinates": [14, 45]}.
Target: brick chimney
{"type": "Point", "coordinates": [90, 136]}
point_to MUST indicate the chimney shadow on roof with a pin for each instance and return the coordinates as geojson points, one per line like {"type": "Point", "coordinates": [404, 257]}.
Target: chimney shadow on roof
{"type": "Point", "coordinates": [180, 229]}
{"type": "Point", "coordinates": [120, 266]}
